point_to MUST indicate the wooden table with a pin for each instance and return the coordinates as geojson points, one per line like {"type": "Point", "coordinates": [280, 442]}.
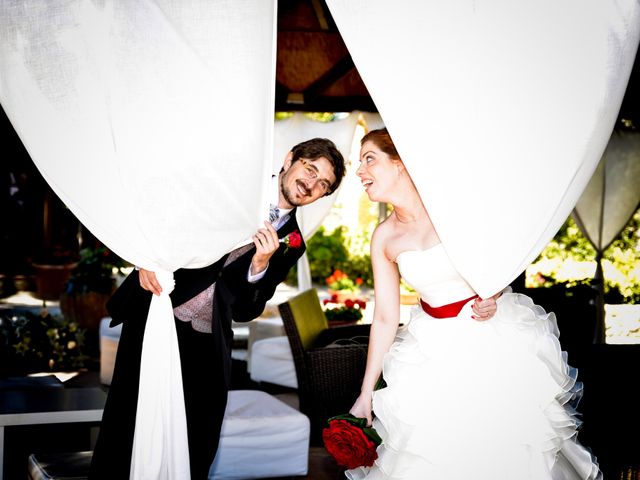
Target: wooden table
{"type": "Point", "coordinates": [48, 406]}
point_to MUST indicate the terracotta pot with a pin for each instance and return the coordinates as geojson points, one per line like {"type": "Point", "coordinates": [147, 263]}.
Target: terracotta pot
{"type": "Point", "coordinates": [409, 298]}
{"type": "Point", "coordinates": [51, 279]}
{"type": "Point", "coordinates": [86, 309]}
{"type": "Point", "coordinates": [343, 295]}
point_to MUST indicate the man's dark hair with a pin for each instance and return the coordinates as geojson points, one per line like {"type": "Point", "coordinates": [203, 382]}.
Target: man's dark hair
{"type": "Point", "coordinates": [322, 147]}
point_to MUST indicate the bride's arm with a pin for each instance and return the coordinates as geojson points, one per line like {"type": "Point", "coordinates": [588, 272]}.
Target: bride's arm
{"type": "Point", "coordinates": [386, 317]}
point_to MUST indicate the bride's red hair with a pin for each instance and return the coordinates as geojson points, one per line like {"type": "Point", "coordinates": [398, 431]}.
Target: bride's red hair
{"type": "Point", "coordinates": [382, 140]}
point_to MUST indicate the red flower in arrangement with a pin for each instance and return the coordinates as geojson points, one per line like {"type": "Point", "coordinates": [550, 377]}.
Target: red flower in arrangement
{"type": "Point", "coordinates": [359, 281]}
{"type": "Point", "coordinates": [350, 442]}
{"type": "Point", "coordinates": [293, 240]}
{"type": "Point", "coordinates": [349, 310]}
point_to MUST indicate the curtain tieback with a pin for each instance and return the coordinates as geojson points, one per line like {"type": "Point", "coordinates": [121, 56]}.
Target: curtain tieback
{"type": "Point", "coordinates": [445, 311]}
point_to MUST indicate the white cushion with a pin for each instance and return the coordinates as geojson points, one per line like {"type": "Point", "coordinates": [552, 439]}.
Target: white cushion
{"type": "Point", "coordinates": [261, 437]}
{"type": "Point", "coordinates": [107, 331]}
{"type": "Point", "coordinates": [263, 327]}
{"type": "Point", "coordinates": [272, 361]}
{"type": "Point", "coordinates": [109, 338]}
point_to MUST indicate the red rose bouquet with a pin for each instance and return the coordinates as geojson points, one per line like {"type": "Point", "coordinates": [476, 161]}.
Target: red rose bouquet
{"type": "Point", "coordinates": [350, 442]}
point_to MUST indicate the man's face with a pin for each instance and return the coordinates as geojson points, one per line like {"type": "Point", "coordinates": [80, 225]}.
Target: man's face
{"type": "Point", "coordinates": [304, 181]}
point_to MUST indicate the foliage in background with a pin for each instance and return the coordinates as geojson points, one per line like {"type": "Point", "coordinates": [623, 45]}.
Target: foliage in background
{"type": "Point", "coordinates": [339, 280]}
{"type": "Point", "coordinates": [349, 310]}
{"type": "Point", "coordinates": [331, 251]}
{"type": "Point", "coordinates": [317, 116]}
{"type": "Point", "coordinates": [570, 259]}
{"type": "Point", "coordinates": [39, 343]}
{"type": "Point", "coordinates": [95, 271]}
{"type": "Point", "coordinates": [327, 252]}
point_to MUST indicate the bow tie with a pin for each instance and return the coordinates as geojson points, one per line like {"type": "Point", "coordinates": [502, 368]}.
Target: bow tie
{"type": "Point", "coordinates": [274, 214]}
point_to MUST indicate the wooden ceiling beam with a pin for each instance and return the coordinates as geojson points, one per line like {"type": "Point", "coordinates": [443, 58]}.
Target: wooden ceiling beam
{"type": "Point", "coordinates": [319, 10]}
{"type": "Point", "coordinates": [329, 104]}
{"type": "Point", "coordinates": [339, 70]}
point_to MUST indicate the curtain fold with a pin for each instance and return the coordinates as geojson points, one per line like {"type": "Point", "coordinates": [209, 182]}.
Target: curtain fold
{"type": "Point", "coordinates": [612, 195]}
{"type": "Point", "coordinates": [291, 131]}
{"type": "Point", "coordinates": [608, 202]}
{"type": "Point", "coordinates": [298, 128]}
{"type": "Point", "coordinates": [500, 109]}
{"type": "Point", "coordinates": [136, 114]}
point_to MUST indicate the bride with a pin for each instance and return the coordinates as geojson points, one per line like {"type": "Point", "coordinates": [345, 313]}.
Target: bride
{"type": "Point", "coordinates": [470, 394]}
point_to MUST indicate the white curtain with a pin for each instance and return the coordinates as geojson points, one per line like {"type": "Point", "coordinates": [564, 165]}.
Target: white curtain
{"type": "Point", "coordinates": [372, 120]}
{"type": "Point", "coordinates": [613, 193]}
{"type": "Point", "coordinates": [500, 109]}
{"type": "Point", "coordinates": [151, 120]}
{"type": "Point", "coordinates": [608, 202]}
{"type": "Point", "coordinates": [296, 129]}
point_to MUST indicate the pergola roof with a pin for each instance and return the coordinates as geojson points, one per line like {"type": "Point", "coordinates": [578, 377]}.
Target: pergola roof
{"type": "Point", "coordinates": [314, 70]}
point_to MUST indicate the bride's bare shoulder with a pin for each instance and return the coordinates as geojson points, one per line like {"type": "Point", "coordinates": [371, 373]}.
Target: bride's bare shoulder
{"type": "Point", "coordinates": [384, 230]}
{"type": "Point", "coordinates": [382, 238]}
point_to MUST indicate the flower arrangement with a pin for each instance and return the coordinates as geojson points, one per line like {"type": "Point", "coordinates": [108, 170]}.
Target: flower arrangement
{"type": "Point", "coordinates": [347, 310]}
{"type": "Point", "coordinates": [45, 342]}
{"type": "Point", "coordinates": [340, 281]}
{"type": "Point", "coordinates": [350, 442]}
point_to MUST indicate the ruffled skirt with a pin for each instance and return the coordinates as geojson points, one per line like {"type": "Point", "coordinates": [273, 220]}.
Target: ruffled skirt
{"type": "Point", "coordinates": [489, 400]}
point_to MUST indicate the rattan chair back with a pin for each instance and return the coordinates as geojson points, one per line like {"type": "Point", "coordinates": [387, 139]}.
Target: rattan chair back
{"type": "Point", "coordinates": [329, 375]}
{"type": "Point", "coordinates": [305, 311]}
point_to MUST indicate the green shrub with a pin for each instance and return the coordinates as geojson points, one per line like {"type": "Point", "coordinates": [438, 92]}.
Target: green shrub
{"type": "Point", "coordinates": [45, 342]}
{"type": "Point", "coordinates": [620, 260]}
{"type": "Point", "coordinates": [330, 251]}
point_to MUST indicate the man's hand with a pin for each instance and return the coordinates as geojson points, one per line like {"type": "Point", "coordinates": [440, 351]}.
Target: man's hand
{"type": "Point", "coordinates": [485, 309]}
{"type": "Point", "coordinates": [266, 242]}
{"type": "Point", "coordinates": [149, 282]}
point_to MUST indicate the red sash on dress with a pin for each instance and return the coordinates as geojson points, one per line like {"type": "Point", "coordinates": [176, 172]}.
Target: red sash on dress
{"type": "Point", "coordinates": [445, 311]}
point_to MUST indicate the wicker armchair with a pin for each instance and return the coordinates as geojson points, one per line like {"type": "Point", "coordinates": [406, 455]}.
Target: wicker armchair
{"type": "Point", "coordinates": [329, 362]}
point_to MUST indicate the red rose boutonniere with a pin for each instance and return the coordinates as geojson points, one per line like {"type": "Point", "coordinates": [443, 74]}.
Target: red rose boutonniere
{"type": "Point", "coordinates": [293, 240]}
{"type": "Point", "coordinates": [350, 442]}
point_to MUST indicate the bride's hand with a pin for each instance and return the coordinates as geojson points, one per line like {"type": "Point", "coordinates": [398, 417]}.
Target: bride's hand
{"type": "Point", "coordinates": [485, 309]}
{"type": "Point", "coordinates": [362, 408]}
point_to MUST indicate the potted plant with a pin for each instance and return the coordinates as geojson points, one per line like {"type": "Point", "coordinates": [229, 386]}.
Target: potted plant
{"type": "Point", "coordinates": [343, 287]}
{"type": "Point", "coordinates": [338, 312]}
{"type": "Point", "coordinates": [52, 273]}
{"type": "Point", "coordinates": [88, 288]}
{"type": "Point", "coordinates": [41, 343]}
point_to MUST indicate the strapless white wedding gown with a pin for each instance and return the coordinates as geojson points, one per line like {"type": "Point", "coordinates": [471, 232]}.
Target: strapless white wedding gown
{"type": "Point", "coordinates": [475, 400]}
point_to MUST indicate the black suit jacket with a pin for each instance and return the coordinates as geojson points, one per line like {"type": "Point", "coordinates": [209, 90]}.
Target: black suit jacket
{"type": "Point", "coordinates": [234, 296]}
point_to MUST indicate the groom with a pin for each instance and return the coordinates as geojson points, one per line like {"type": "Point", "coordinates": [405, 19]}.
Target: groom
{"type": "Point", "coordinates": [205, 301]}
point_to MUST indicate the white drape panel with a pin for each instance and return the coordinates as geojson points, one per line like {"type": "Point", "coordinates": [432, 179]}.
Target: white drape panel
{"type": "Point", "coordinates": [372, 120]}
{"type": "Point", "coordinates": [288, 133]}
{"type": "Point", "coordinates": [299, 128]}
{"type": "Point", "coordinates": [610, 198]}
{"type": "Point", "coordinates": [136, 115]}
{"type": "Point", "coordinates": [613, 193]}
{"type": "Point", "coordinates": [500, 109]}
